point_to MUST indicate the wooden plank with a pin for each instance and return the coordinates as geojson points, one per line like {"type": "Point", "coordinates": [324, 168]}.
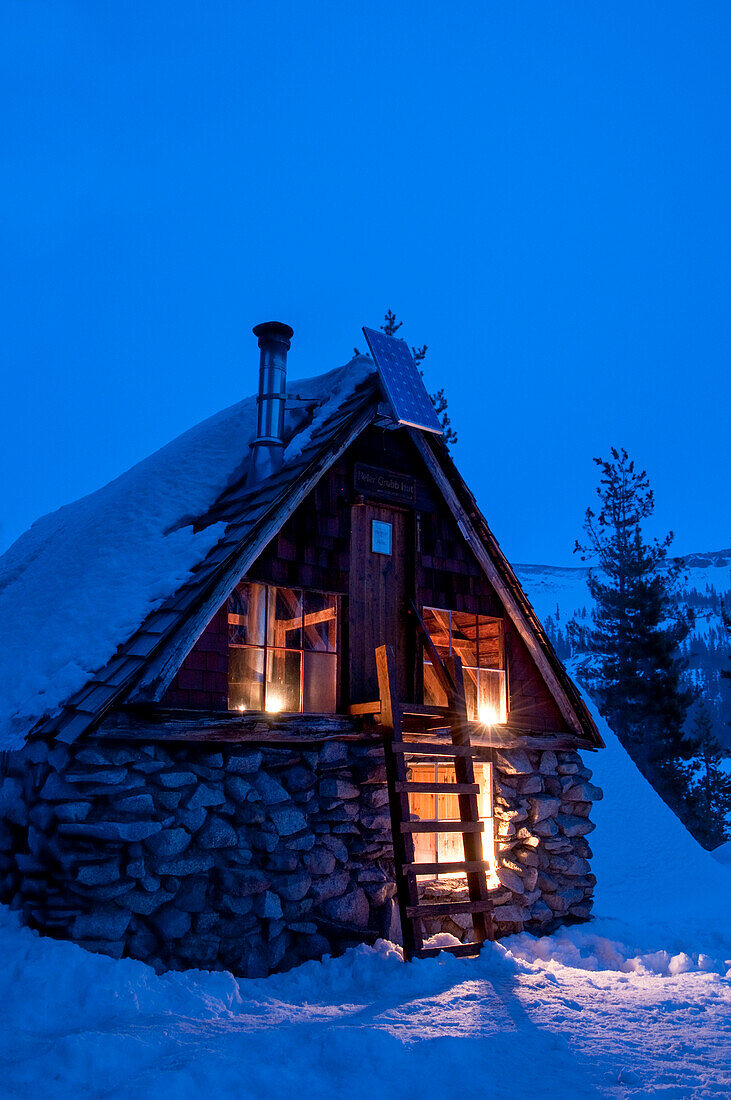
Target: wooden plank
{"type": "Point", "coordinates": [419, 748]}
{"type": "Point", "coordinates": [439, 788]}
{"type": "Point", "coordinates": [444, 908]}
{"type": "Point", "coordinates": [426, 708]}
{"type": "Point", "coordinates": [456, 826]}
{"type": "Point", "coordinates": [365, 708]}
{"type": "Point", "coordinates": [461, 950]}
{"type": "Point", "coordinates": [460, 867]}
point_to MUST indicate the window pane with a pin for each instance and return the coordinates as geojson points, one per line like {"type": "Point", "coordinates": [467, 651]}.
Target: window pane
{"type": "Point", "coordinates": [246, 614]}
{"type": "Point", "coordinates": [470, 691]}
{"type": "Point", "coordinates": [492, 705]}
{"type": "Point", "coordinates": [285, 618]}
{"type": "Point", "coordinates": [321, 621]}
{"type": "Point", "coordinates": [283, 680]}
{"type": "Point", "coordinates": [319, 683]}
{"type": "Point", "coordinates": [464, 637]}
{"type": "Point", "coordinates": [490, 642]}
{"type": "Point", "coordinates": [245, 678]}
{"type": "Point", "coordinates": [434, 693]}
{"type": "Point", "coordinates": [437, 625]}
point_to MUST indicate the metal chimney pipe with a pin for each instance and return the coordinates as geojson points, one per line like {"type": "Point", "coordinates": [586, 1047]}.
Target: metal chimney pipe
{"type": "Point", "coordinates": [267, 450]}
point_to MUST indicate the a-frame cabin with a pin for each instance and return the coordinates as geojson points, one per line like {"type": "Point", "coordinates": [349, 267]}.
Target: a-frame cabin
{"type": "Point", "coordinates": [341, 720]}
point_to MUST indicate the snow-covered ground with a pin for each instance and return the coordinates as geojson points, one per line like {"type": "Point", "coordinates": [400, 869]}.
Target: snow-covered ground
{"type": "Point", "coordinates": [635, 1004]}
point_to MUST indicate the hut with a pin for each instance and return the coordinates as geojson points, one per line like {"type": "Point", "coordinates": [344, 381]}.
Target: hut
{"type": "Point", "coordinates": [276, 690]}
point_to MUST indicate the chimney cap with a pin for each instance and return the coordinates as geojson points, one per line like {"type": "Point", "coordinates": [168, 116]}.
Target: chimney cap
{"type": "Point", "coordinates": [276, 329]}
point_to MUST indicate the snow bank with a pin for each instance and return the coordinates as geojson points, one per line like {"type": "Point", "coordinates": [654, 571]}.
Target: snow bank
{"type": "Point", "coordinates": [82, 579]}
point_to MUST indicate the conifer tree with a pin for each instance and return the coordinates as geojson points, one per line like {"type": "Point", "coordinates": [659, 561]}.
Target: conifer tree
{"type": "Point", "coordinates": [637, 629]}
{"type": "Point", "coordinates": [710, 793]}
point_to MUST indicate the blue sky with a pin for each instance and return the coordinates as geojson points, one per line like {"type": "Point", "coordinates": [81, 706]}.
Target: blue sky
{"type": "Point", "coordinates": [539, 189]}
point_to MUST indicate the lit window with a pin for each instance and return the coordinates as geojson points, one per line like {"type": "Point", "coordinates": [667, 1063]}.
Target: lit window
{"type": "Point", "coordinates": [282, 649]}
{"type": "Point", "coordinates": [478, 641]}
{"type": "Point", "coordinates": [448, 847]}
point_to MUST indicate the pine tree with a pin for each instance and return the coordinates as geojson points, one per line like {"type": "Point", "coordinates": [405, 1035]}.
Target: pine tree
{"type": "Point", "coordinates": [637, 629]}
{"type": "Point", "coordinates": [710, 793]}
{"type": "Point", "coordinates": [439, 399]}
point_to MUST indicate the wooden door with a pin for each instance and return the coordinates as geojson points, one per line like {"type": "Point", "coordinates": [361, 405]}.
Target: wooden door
{"type": "Point", "coordinates": [380, 568]}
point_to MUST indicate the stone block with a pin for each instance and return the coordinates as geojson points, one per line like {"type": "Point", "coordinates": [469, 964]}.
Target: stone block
{"type": "Point", "coordinates": [189, 865]}
{"type": "Point", "coordinates": [55, 789]}
{"type": "Point", "coordinates": [510, 879]}
{"type": "Point", "coordinates": [98, 874]}
{"type": "Point", "coordinates": [177, 779]}
{"type": "Point", "coordinates": [217, 833]}
{"type": "Point", "coordinates": [192, 820]}
{"type": "Point", "coordinates": [105, 776]}
{"type": "Point", "coordinates": [171, 922]}
{"type": "Point", "coordinates": [204, 796]}
{"type": "Point", "coordinates": [351, 908]}
{"type": "Point", "coordinates": [112, 830]}
{"type": "Point", "coordinates": [543, 807]}
{"type": "Point", "coordinates": [242, 882]}
{"type": "Point", "coordinates": [292, 887]}
{"type": "Point", "coordinates": [298, 778]}
{"type": "Point", "coordinates": [288, 821]}
{"type": "Point", "coordinates": [334, 787]}
{"type": "Point", "coordinates": [192, 895]}
{"type": "Point", "coordinates": [272, 792]}
{"type": "Point", "coordinates": [549, 763]}
{"type": "Point", "coordinates": [330, 886]}
{"type": "Point", "coordinates": [106, 922]}
{"type": "Point", "coordinates": [169, 842]}
{"type": "Point", "coordinates": [509, 914]}
{"type": "Point", "coordinates": [583, 792]}
{"type": "Point", "coordinates": [244, 763]}
{"type": "Point", "coordinates": [72, 811]}
{"type": "Point", "coordinates": [320, 861]}
{"type": "Point", "coordinates": [271, 907]}
{"type": "Point", "coordinates": [141, 803]}
{"type": "Point", "coordinates": [240, 790]}
{"type": "Point", "coordinates": [515, 762]}
{"type": "Point", "coordinates": [144, 904]}
{"type": "Point", "coordinates": [574, 826]}
{"type": "Point", "coordinates": [282, 860]}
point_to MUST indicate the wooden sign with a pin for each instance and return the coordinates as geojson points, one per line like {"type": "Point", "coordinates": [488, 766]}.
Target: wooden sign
{"type": "Point", "coordinates": [373, 481]}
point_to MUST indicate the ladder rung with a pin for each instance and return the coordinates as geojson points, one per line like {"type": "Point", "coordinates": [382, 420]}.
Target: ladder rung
{"type": "Point", "coordinates": [444, 908]}
{"type": "Point", "coordinates": [437, 788]}
{"type": "Point", "coordinates": [431, 749]}
{"type": "Point", "coordinates": [458, 949]}
{"type": "Point", "coordinates": [465, 867]}
{"type": "Point", "coordinates": [442, 826]}
{"type": "Point", "coordinates": [426, 708]}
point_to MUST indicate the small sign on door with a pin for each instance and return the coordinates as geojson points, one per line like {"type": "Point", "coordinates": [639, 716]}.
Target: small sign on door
{"type": "Point", "coordinates": [381, 533]}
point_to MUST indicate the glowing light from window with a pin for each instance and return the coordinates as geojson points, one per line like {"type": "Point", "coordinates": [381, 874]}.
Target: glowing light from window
{"type": "Point", "coordinates": [241, 707]}
{"type": "Point", "coordinates": [274, 703]}
{"type": "Point", "coordinates": [488, 715]}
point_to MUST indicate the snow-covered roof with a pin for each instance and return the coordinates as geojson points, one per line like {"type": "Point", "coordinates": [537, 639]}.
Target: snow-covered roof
{"type": "Point", "coordinates": [81, 581]}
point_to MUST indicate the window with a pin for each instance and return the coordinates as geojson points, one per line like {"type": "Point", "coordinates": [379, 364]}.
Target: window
{"type": "Point", "coordinates": [282, 649]}
{"type": "Point", "coordinates": [448, 847]}
{"type": "Point", "coordinates": [478, 641]}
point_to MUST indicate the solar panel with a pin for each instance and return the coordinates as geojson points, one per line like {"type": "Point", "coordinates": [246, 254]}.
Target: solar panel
{"type": "Point", "coordinates": [402, 382]}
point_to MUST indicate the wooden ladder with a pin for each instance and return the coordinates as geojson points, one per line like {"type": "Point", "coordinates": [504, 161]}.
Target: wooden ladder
{"type": "Point", "coordinates": [397, 720]}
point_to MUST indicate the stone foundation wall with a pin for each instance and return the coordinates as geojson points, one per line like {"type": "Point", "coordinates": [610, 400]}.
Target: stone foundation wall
{"type": "Point", "coordinates": [254, 859]}
{"type": "Point", "coordinates": [248, 859]}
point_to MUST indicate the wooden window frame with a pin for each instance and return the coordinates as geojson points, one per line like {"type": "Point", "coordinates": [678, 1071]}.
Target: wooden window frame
{"type": "Point", "coordinates": [477, 667]}
{"type": "Point", "coordinates": [266, 647]}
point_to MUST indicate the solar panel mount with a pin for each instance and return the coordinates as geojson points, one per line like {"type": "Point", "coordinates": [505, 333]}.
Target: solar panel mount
{"type": "Point", "coordinates": [402, 384]}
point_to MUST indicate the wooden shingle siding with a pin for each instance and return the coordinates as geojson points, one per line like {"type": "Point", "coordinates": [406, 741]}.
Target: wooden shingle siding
{"type": "Point", "coordinates": [202, 680]}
